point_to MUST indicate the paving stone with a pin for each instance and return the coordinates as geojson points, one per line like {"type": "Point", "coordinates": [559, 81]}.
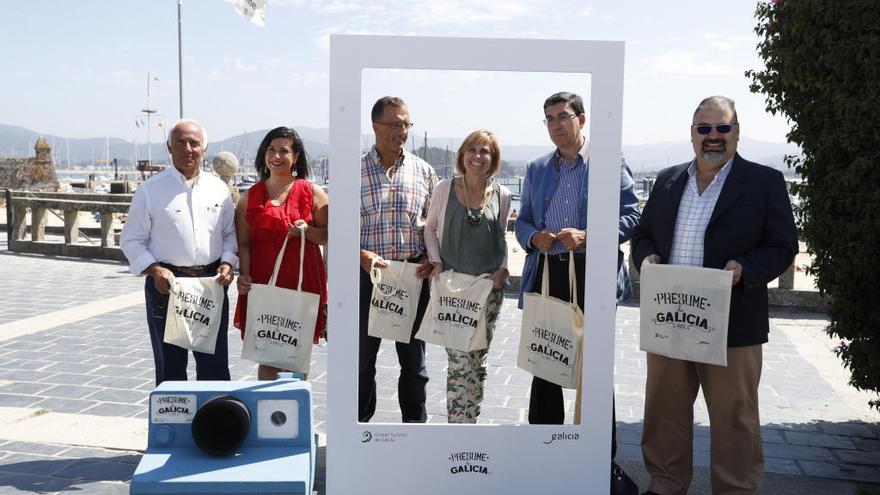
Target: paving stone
{"type": "Point", "coordinates": [867, 444]}
{"type": "Point", "coordinates": [839, 470]}
{"type": "Point", "coordinates": [15, 400]}
{"type": "Point", "coordinates": [111, 455]}
{"type": "Point", "coordinates": [70, 348]}
{"type": "Point", "coordinates": [771, 435]}
{"type": "Point", "coordinates": [850, 429]}
{"type": "Point", "coordinates": [64, 405]}
{"type": "Point", "coordinates": [797, 452]}
{"type": "Point", "coordinates": [113, 361]}
{"type": "Point", "coordinates": [118, 410]}
{"type": "Point", "coordinates": [97, 469]}
{"type": "Point", "coordinates": [120, 382]}
{"type": "Point", "coordinates": [70, 391]}
{"type": "Point", "coordinates": [19, 483]}
{"type": "Point", "coordinates": [819, 440]}
{"type": "Point", "coordinates": [22, 346]}
{"type": "Point", "coordinates": [782, 466]}
{"type": "Point", "coordinates": [68, 357]}
{"type": "Point", "coordinates": [69, 367]}
{"type": "Point", "coordinates": [21, 375]}
{"type": "Point", "coordinates": [123, 371]}
{"type": "Point", "coordinates": [31, 364]}
{"type": "Point", "coordinates": [32, 464]}
{"type": "Point", "coordinates": [34, 356]}
{"type": "Point", "coordinates": [68, 378]}
{"type": "Point", "coordinates": [27, 388]}
{"type": "Point", "coordinates": [117, 395]}
{"type": "Point", "coordinates": [33, 448]}
{"type": "Point", "coordinates": [859, 457]}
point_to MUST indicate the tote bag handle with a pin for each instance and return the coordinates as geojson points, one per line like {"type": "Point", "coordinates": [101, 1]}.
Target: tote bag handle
{"type": "Point", "coordinates": [302, 253]}
{"type": "Point", "coordinates": [572, 281]}
{"type": "Point", "coordinates": [456, 290]}
{"type": "Point", "coordinates": [376, 275]}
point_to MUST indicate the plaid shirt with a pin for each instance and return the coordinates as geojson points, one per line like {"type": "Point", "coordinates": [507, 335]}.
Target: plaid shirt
{"type": "Point", "coordinates": [694, 213]}
{"type": "Point", "coordinates": [394, 206]}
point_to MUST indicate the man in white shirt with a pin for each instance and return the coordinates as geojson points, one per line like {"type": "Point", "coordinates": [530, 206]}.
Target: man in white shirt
{"type": "Point", "coordinates": [181, 224]}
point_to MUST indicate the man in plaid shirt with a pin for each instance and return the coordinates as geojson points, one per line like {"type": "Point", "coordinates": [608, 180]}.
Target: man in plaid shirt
{"type": "Point", "coordinates": [396, 187]}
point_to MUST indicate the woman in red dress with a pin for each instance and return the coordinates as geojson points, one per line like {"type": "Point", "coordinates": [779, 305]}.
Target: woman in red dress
{"type": "Point", "coordinates": [275, 207]}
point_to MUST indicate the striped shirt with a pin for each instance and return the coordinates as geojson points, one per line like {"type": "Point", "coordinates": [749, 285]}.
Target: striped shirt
{"type": "Point", "coordinates": [694, 213]}
{"type": "Point", "coordinates": [394, 205]}
{"type": "Point", "coordinates": [565, 204]}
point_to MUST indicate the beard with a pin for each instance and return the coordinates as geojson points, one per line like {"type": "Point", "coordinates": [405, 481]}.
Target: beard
{"type": "Point", "coordinates": [714, 155]}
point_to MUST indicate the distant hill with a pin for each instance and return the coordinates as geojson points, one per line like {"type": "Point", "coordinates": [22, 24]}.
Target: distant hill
{"type": "Point", "coordinates": [18, 141]}
{"type": "Point", "coordinates": [646, 158]}
{"type": "Point", "coordinates": [653, 157]}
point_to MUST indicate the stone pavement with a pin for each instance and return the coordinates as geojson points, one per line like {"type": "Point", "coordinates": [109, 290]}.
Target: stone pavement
{"type": "Point", "coordinates": [76, 370]}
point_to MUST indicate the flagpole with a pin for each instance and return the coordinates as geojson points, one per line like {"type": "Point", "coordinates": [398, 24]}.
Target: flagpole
{"type": "Point", "coordinates": [180, 55]}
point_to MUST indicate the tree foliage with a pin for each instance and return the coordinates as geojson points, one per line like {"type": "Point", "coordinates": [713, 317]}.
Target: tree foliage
{"type": "Point", "coordinates": [822, 71]}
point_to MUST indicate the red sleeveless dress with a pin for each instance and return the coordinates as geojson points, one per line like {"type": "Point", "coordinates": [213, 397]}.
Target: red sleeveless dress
{"type": "Point", "coordinates": [268, 225]}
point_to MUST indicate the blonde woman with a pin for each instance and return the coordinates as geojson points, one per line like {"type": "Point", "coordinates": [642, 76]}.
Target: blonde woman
{"type": "Point", "coordinates": [465, 232]}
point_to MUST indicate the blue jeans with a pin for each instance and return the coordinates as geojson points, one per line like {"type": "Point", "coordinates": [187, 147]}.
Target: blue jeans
{"type": "Point", "coordinates": [413, 374]}
{"type": "Point", "coordinates": [171, 360]}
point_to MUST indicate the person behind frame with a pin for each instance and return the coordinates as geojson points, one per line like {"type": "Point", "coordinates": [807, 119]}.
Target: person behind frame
{"type": "Point", "coordinates": [465, 232]}
{"type": "Point", "coordinates": [276, 207]}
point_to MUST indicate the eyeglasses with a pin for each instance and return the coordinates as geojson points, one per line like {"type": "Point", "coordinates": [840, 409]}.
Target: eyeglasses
{"type": "Point", "coordinates": [561, 118]}
{"type": "Point", "coordinates": [721, 128]}
{"type": "Point", "coordinates": [397, 125]}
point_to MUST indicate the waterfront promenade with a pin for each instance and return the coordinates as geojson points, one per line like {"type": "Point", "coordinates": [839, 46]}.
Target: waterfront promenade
{"type": "Point", "coordinates": [76, 370]}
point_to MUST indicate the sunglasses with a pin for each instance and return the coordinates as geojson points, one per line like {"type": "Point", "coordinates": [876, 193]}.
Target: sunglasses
{"type": "Point", "coordinates": [706, 128]}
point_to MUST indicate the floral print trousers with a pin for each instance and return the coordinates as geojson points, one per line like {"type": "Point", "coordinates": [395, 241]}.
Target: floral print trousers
{"type": "Point", "coordinates": [466, 375]}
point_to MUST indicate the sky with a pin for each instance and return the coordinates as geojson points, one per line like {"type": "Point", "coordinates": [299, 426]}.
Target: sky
{"type": "Point", "coordinates": [79, 69]}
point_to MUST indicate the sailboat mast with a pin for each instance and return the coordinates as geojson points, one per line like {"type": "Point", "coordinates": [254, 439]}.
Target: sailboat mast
{"type": "Point", "coordinates": [149, 111]}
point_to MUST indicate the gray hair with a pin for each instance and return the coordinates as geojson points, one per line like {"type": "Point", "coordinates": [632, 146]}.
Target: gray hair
{"type": "Point", "coordinates": [716, 102]}
{"type": "Point", "coordinates": [189, 121]}
{"type": "Point", "coordinates": [381, 103]}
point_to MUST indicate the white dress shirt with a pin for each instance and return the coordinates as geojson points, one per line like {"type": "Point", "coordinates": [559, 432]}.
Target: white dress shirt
{"type": "Point", "coordinates": [694, 213]}
{"type": "Point", "coordinates": [171, 222]}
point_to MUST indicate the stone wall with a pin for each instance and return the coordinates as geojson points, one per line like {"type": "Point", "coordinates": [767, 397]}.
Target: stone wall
{"type": "Point", "coordinates": [27, 173]}
{"type": "Point", "coordinates": [31, 174]}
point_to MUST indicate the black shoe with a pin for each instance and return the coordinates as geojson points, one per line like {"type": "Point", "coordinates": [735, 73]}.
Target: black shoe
{"type": "Point", "coordinates": [621, 483]}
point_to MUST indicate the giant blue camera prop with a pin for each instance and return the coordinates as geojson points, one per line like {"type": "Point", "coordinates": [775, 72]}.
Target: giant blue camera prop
{"type": "Point", "coordinates": [229, 437]}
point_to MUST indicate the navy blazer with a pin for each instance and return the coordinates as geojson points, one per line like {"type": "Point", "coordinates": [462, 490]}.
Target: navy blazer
{"type": "Point", "coordinates": [752, 223]}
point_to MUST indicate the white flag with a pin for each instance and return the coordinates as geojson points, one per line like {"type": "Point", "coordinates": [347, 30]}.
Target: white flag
{"type": "Point", "coordinates": [252, 10]}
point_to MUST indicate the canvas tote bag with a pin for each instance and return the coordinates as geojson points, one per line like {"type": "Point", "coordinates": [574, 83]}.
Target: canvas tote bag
{"type": "Point", "coordinates": [456, 314]}
{"type": "Point", "coordinates": [281, 322]}
{"type": "Point", "coordinates": [551, 339]}
{"type": "Point", "coordinates": [395, 300]}
{"type": "Point", "coordinates": [194, 310]}
{"type": "Point", "coordinates": [684, 312]}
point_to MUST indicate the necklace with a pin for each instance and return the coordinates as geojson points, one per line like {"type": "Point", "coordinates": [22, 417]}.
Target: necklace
{"type": "Point", "coordinates": [276, 198]}
{"type": "Point", "coordinates": [474, 216]}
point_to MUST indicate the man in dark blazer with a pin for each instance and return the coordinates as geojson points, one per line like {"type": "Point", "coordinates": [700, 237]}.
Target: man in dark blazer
{"type": "Point", "coordinates": [716, 211]}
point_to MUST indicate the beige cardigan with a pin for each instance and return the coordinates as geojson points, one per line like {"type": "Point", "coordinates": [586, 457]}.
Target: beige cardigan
{"type": "Point", "coordinates": [437, 212]}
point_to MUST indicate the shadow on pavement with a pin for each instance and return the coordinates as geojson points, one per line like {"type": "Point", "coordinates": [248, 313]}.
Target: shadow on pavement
{"type": "Point", "coordinates": [59, 474]}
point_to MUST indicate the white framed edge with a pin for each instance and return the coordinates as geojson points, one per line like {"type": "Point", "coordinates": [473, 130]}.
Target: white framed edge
{"type": "Point", "coordinates": [403, 458]}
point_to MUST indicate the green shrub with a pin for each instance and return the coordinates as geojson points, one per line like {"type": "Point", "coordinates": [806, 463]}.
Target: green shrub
{"type": "Point", "coordinates": [822, 71]}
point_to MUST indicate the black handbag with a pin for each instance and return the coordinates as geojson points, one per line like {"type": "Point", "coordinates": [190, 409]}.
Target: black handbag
{"type": "Point", "coordinates": [621, 483]}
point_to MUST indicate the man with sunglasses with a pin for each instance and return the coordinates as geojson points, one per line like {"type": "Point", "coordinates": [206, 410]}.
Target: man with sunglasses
{"type": "Point", "coordinates": [553, 221]}
{"type": "Point", "coordinates": [395, 189]}
{"type": "Point", "coordinates": [716, 211]}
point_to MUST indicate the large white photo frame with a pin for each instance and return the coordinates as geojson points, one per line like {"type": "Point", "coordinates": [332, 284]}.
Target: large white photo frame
{"type": "Point", "coordinates": [426, 459]}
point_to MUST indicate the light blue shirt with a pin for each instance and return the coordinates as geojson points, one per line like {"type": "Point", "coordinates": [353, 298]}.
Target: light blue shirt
{"type": "Point", "coordinates": [694, 213]}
